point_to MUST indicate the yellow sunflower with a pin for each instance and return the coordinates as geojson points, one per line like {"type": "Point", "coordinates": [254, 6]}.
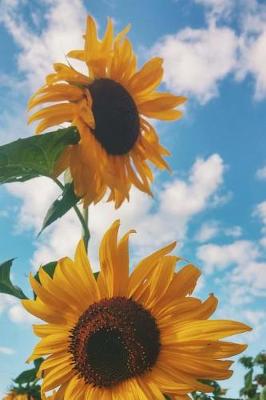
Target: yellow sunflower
{"type": "Point", "coordinates": [127, 336]}
{"type": "Point", "coordinates": [109, 107]}
{"type": "Point", "coordinates": [15, 395]}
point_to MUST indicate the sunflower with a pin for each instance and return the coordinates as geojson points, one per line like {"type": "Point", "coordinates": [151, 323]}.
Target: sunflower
{"type": "Point", "coordinates": [109, 107]}
{"type": "Point", "coordinates": [15, 394]}
{"type": "Point", "coordinates": [127, 336]}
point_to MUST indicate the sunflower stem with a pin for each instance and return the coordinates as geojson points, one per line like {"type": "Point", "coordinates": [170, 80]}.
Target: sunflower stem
{"type": "Point", "coordinates": [86, 231]}
{"type": "Point", "coordinates": [82, 218]}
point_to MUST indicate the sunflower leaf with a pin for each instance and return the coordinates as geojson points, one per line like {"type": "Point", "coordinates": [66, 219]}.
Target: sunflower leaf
{"type": "Point", "coordinates": [60, 206]}
{"type": "Point", "coordinates": [6, 286]}
{"type": "Point", "coordinates": [30, 375]}
{"type": "Point", "coordinates": [28, 158]}
{"type": "Point", "coordinates": [26, 376]}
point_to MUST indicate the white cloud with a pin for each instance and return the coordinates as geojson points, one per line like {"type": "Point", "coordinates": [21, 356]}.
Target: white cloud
{"type": "Point", "coordinates": [6, 301]}
{"type": "Point", "coordinates": [65, 22]}
{"type": "Point", "coordinates": [60, 241]}
{"type": "Point", "coordinates": [217, 8]}
{"type": "Point", "coordinates": [14, 310]}
{"type": "Point", "coordinates": [19, 315]}
{"type": "Point", "coordinates": [252, 46]}
{"type": "Point", "coordinates": [216, 256]}
{"type": "Point", "coordinates": [193, 65]}
{"type": "Point", "coordinates": [207, 231]}
{"type": "Point", "coordinates": [243, 257]}
{"type": "Point", "coordinates": [186, 199]}
{"type": "Point", "coordinates": [244, 271]}
{"type": "Point", "coordinates": [253, 274]}
{"type": "Point", "coordinates": [178, 202]}
{"type": "Point", "coordinates": [233, 231]}
{"type": "Point", "coordinates": [238, 295]}
{"type": "Point", "coordinates": [7, 351]}
{"type": "Point", "coordinates": [261, 173]}
{"type": "Point", "coordinates": [10, 126]}
{"type": "Point", "coordinates": [211, 229]}
{"type": "Point", "coordinates": [253, 62]}
{"type": "Point", "coordinates": [255, 316]}
{"type": "Point", "coordinates": [260, 211]}
{"type": "Point", "coordinates": [196, 60]}
{"type": "Point", "coordinates": [263, 241]}
{"type": "Point", "coordinates": [37, 195]}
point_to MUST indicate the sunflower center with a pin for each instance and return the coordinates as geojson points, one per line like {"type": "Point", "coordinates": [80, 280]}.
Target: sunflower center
{"type": "Point", "coordinates": [114, 340]}
{"type": "Point", "coordinates": [116, 116]}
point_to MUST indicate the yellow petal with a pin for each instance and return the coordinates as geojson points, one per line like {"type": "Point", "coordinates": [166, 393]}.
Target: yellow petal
{"type": "Point", "coordinates": [147, 78]}
{"type": "Point", "coordinates": [146, 266]}
{"type": "Point", "coordinates": [207, 330]}
{"type": "Point", "coordinates": [84, 271]}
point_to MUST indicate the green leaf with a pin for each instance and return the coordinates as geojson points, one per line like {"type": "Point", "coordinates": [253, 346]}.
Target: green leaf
{"type": "Point", "coordinates": [37, 363]}
{"type": "Point", "coordinates": [61, 206]}
{"type": "Point", "coordinates": [26, 376]}
{"type": "Point", "coordinates": [248, 379]}
{"type": "Point", "coordinates": [247, 362]}
{"type": "Point", "coordinates": [260, 359]}
{"type": "Point", "coordinates": [34, 156]}
{"type": "Point", "coordinates": [6, 286]}
{"type": "Point", "coordinates": [263, 394]}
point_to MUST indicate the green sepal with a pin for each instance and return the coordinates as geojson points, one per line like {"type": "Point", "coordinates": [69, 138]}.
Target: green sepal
{"type": "Point", "coordinates": [6, 286]}
{"type": "Point", "coordinates": [96, 274]}
{"type": "Point", "coordinates": [35, 156]}
{"type": "Point", "coordinates": [49, 268]}
{"type": "Point", "coordinates": [61, 206]}
{"type": "Point", "coordinates": [248, 379]}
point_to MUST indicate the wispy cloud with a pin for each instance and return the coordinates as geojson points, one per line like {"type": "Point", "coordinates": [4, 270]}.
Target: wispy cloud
{"type": "Point", "coordinates": [198, 60]}
{"type": "Point", "coordinates": [261, 173]}
{"type": "Point", "coordinates": [211, 229]}
{"type": "Point", "coordinates": [7, 351]}
{"type": "Point", "coordinates": [63, 31]}
{"type": "Point", "coordinates": [193, 66]}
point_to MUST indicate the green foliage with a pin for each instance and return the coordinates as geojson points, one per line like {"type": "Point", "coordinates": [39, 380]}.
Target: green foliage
{"type": "Point", "coordinates": [253, 383]}
{"type": "Point", "coordinates": [6, 286]}
{"type": "Point", "coordinates": [215, 395]}
{"type": "Point", "coordinates": [60, 206]}
{"type": "Point", "coordinates": [28, 158]}
{"type": "Point", "coordinates": [26, 377]}
{"type": "Point", "coordinates": [27, 381]}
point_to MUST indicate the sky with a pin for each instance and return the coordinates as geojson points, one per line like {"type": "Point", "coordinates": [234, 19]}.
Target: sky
{"type": "Point", "coordinates": [213, 203]}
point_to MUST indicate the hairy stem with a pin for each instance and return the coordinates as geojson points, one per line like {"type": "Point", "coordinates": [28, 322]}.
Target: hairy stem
{"type": "Point", "coordinates": [82, 218]}
{"type": "Point", "coordinates": [86, 232]}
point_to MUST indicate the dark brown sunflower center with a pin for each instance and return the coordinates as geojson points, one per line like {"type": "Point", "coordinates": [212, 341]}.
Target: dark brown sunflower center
{"type": "Point", "coordinates": [116, 116]}
{"type": "Point", "coordinates": [114, 339]}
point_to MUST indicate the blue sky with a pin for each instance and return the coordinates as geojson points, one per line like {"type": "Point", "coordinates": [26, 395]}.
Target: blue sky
{"type": "Point", "coordinates": [214, 201]}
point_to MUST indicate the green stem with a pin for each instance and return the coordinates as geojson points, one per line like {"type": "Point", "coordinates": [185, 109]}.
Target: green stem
{"type": "Point", "coordinates": [86, 232]}
{"type": "Point", "coordinates": [83, 219]}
